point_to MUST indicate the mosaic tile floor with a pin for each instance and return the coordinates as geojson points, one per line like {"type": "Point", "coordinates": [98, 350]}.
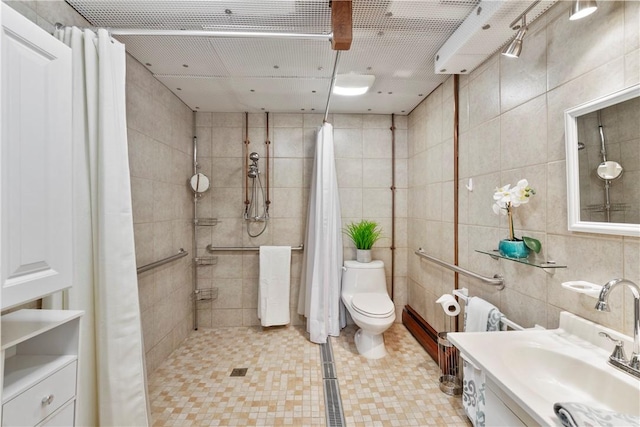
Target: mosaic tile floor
{"type": "Point", "coordinates": [283, 383]}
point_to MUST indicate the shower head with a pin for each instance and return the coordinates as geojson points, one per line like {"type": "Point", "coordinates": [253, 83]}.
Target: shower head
{"type": "Point", "coordinates": [254, 157]}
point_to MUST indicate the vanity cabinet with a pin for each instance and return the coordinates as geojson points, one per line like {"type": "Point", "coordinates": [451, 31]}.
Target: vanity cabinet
{"type": "Point", "coordinates": [40, 358]}
{"type": "Point", "coordinates": [35, 162]}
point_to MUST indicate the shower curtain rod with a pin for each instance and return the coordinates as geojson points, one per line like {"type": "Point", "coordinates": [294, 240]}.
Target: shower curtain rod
{"type": "Point", "coordinates": [209, 33]}
{"type": "Point", "coordinates": [333, 83]}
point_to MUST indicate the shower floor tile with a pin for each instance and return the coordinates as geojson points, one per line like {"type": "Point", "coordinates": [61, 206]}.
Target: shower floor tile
{"type": "Point", "coordinates": [283, 383]}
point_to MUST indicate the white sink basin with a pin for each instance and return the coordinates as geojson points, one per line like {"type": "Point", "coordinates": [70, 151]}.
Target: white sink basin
{"type": "Point", "coordinates": [562, 377]}
{"type": "Point", "coordinates": [537, 368]}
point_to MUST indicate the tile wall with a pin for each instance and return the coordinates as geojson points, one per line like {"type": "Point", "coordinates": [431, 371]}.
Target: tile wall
{"type": "Point", "coordinates": [363, 162]}
{"type": "Point", "coordinates": [160, 132]}
{"type": "Point", "coordinates": [512, 127]}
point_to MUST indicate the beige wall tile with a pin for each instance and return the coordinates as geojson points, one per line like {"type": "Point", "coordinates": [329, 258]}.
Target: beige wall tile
{"type": "Point", "coordinates": [596, 39]}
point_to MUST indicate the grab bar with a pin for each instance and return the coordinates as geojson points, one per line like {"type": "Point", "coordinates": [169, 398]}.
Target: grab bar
{"type": "Point", "coordinates": [212, 248]}
{"type": "Point", "coordinates": [496, 280]}
{"type": "Point", "coordinates": [463, 295]}
{"type": "Point", "coordinates": [181, 253]}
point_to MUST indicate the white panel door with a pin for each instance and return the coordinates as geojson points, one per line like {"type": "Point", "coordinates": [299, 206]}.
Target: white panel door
{"type": "Point", "coordinates": [35, 162]}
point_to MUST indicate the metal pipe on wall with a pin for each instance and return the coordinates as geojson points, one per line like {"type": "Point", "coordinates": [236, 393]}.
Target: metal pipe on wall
{"type": "Point", "coordinates": [194, 246]}
{"type": "Point", "coordinates": [393, 201]}
{"type": "Point", "coordinates": [456, 173]}
{"type": "Point", "coordinates": [246, 160]}
{"type": "Point", "coordinates": [267, 144]}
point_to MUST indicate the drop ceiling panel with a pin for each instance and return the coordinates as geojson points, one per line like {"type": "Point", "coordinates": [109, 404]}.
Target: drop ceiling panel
{"type": "Point", "coordinates": [260, 57]}
{"type": "Point", "coordinates": [396, 40]}
{"type": "Point", "coordinates": [169, 55]}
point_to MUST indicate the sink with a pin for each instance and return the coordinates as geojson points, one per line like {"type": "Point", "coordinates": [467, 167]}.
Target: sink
{"type": "Point", "coordinates": [564, 377]}
{"type": "Point", "coordinates": [533, 369]}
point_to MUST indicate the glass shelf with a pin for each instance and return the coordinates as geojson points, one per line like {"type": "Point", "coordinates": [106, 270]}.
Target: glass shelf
{"type": "Point", "coordinates": [532, 262]}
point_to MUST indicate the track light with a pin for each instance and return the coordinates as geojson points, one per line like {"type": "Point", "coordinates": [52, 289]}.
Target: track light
{"type": "Point", "coordinates": [582, 8]}
{"type": "Point", "coordinates": [515, 47]}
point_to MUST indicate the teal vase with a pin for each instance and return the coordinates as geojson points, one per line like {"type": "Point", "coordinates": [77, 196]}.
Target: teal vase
{"type": "Point", "coordinates": [513, 248]}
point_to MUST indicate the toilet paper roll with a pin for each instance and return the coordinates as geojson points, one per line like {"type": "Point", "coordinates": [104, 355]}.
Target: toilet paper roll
{"type": "Point", "coordinates": [449, 305]}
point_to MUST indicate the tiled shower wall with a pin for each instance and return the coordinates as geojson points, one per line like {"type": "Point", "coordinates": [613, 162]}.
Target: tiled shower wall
{"type": "Point", "coordinates": [512, 127]}
{"type": "Point", "coordinates": [160, 131]}
{"type": "Point", "coordinates": [363, 162]}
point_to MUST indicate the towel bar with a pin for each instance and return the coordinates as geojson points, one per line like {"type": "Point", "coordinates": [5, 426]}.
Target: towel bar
{"type": "Point", "coordinates": [181, 253]}
{"type": "Point", "coordinates": [462, 294]}
{"type": "Point", "coordinates": [212, 248]}
{"type": "Point", "coordinates": [496, 280]}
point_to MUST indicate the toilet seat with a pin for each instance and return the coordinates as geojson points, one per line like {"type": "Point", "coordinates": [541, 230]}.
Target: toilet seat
{"type": "Point", "coordinates": [373, 304]}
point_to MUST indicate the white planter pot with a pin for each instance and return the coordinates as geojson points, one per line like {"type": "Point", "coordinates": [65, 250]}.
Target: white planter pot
{"type": "Point", "coordinates": [363, 255]}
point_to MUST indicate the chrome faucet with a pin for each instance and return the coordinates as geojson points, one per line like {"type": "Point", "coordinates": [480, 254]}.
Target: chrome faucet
{"type": "Point", "coordinates": [631, 366]}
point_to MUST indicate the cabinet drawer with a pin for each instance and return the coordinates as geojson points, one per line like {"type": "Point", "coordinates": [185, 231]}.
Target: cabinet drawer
{"type": "Point", "coordinates": [28, 409]}
{"type": "Point", "coordinates": [64, 418]}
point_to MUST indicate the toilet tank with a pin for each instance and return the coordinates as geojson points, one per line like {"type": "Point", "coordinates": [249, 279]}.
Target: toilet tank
{"type": "Point", "coordinates": [358, 277]}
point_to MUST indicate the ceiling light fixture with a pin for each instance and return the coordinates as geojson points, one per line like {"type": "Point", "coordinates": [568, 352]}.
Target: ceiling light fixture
{"type": "Point", "coordinates": [582, 8]}
{"type": "Point", "coordinates": [353, 84]}
{"type": "Point", "coordinates": [515, 47]}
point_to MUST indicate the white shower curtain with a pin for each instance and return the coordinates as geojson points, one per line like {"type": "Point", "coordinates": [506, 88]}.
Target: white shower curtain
{"type": "Point", "coordinates": [112, 385]}
{"type": "Point", "coordinates": [319, 298]}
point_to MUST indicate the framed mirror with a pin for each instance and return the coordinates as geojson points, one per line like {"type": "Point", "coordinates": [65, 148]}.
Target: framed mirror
{"type": "Point", "coordinates": [602, 140]}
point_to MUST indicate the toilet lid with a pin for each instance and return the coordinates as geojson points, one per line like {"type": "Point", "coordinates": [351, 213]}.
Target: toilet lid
{"type": "Point", "coordinates": [373, 305]}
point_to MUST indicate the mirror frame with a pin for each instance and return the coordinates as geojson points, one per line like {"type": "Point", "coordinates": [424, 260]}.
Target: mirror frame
{"type": "Point", "coordinates": [573, 176]}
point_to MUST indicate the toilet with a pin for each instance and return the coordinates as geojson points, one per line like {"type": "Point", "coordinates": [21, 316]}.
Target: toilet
{"type": "Point", "coordinates": [364, 293]}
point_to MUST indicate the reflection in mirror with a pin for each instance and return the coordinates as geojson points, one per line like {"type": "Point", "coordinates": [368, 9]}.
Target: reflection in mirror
{"type": "Point", "coordinates": [603, 164]}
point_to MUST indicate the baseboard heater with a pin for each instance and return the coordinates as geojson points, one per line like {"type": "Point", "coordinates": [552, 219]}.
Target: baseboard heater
{"type": "Point", "coordinates": [421, 330]}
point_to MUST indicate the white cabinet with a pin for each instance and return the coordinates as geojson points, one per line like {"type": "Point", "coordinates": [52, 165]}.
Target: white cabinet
{"type": "Point", "coordinates": [35, 162]}
{"type": "Point", "coordinates": [40, 355]}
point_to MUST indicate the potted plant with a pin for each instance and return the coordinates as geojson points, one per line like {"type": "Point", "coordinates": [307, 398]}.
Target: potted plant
{"type": "Point", "coordinates": [363, 234]}
{"type": "Point", "coordinates": [506, 199]}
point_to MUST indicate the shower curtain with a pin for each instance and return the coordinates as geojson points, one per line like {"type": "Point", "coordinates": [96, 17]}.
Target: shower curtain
{"type": "Point", "coordinates": [319, 299]}
{"type": "Point", "coordinates": [112, 385]}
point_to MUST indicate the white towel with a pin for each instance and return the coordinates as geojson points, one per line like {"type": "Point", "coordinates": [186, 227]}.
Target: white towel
{"type": "Point", "coordinates": [273, 289]}
{"type": "Point", "coordinates": [479, 316]}
{"type": "Point", "coordinates": [573, 414]}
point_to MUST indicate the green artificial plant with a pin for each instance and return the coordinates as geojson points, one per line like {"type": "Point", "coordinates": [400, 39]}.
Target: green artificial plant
{"type": "Point", "coordinates": [364, 234]}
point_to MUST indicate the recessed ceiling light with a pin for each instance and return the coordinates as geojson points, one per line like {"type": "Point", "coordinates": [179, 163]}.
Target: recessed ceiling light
{"type": "Point", "coordinates": [252, 90]}
{"type": "Point", "coordinates": [228, 11]}
{"type": "Point", "coordinates": [486, 26]}
{"type": "Point", "coordinates": [353, 84]}
{"type": "Point", "coordinates": [420, 94]}
{"type": "Point", "coordinates": [178, 88]}
{"type": "Point", "coordinates": [379, 91]}
{"type": "Point", "coordinates": [368, 109]}
{"type": "Point", "coordinates": [313, 91]}
{"type": "Point", "coordinates": [147, 64]}
{"type": "Point", "coordinates": [185, 65]}
{"type": "Point", "coordinates": [276, 66]}
{"type": "Point", "coordinates": [389, 93]}
{"type": "Point", "coordinates": [197, 108]}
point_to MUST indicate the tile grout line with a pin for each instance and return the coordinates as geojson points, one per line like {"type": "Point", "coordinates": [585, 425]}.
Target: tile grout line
{"type": "Point", "coordinates": [332, 398]}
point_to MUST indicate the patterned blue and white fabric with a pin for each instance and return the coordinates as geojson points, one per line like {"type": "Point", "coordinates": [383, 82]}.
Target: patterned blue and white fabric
{"type": "Point", "coordinates": [574, 414]}
{"type": "Point", "coordinates": [479, 316]}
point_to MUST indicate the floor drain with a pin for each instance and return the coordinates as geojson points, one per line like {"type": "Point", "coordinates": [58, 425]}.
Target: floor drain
{"type": "Point", "coordinates": [238, 372]}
